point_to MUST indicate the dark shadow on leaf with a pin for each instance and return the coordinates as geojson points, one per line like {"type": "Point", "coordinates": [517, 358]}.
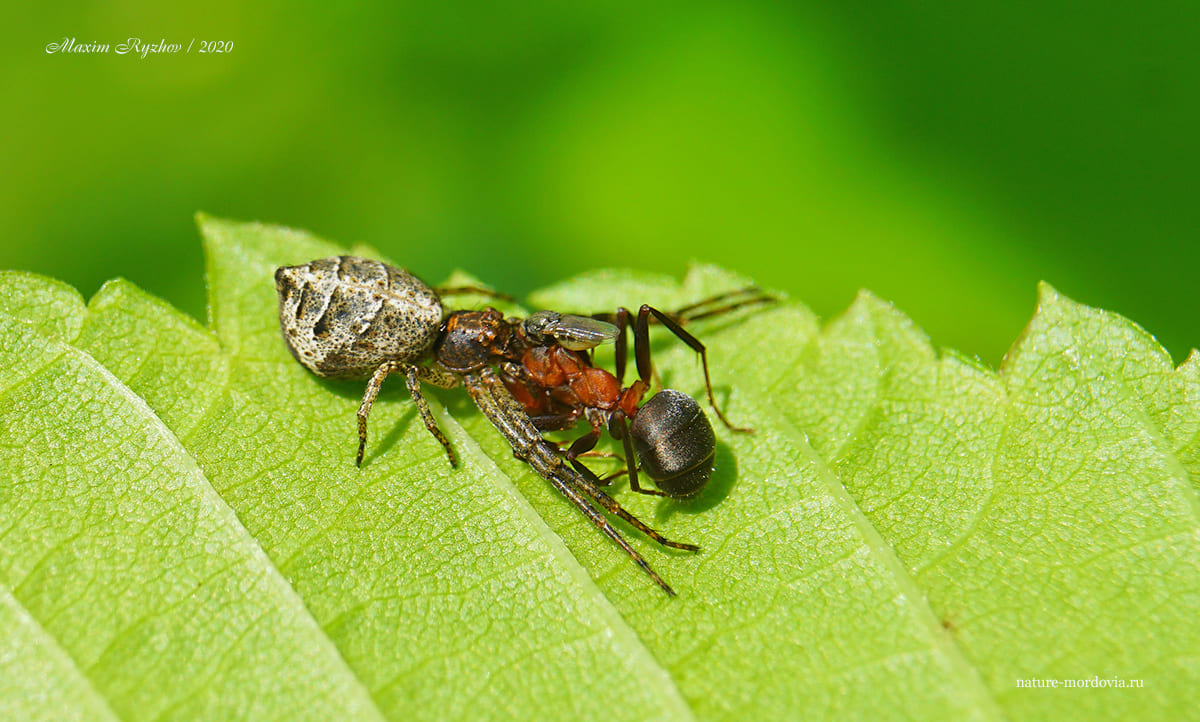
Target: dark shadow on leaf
{"type": "Point", "coordinates": [393, 435]}
{"type": "Point", "coordinates": [724, 478]}
{"type": "Point", "coordinates": [392, 390]}
{"type": "Point", "coordinates": [350, 388]}
{"type": "Point", "coordinates": [456, 402]}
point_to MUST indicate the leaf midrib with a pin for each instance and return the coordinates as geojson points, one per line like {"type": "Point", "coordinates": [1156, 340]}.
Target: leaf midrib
{"type": "Point", "coordinates": [65, 654]}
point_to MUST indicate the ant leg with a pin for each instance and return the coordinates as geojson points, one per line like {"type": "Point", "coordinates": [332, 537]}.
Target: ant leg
{"type": "Point", "coordinates": [413, 376]}
{"type": "Point", "coordinates": [754, 296]}
{"type": "Point", "coordinates": [622, 431]}
{"type": "Point", "coordinates": [608, 480]}
{"type": "Point", "coordinates": [475, 290]}
{"type": "Point", "coordinates": [682, 311]}
{"type": "Point", "coordinates": [621, 343]}
{"type": "Point", "coordinates": [641, 350]}
{"type": "Point", "coordinates": [598, 454]}
{"type": "Point", "coordinates": [623, 319]}
{"type": "Point", "coordinates": [554, 422]}
{"type": "Point", "coordinates": [594, 453]}
{"type": "Point", "coordinates": [583, 445]}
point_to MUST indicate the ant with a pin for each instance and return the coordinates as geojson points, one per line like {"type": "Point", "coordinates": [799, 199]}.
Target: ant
{"type": "Point", "coordinates": [349, 317]}
{"type": "Point", "coordinates": [557, 383]}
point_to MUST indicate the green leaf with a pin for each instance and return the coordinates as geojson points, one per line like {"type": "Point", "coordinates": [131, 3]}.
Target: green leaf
{"type": "Point", "coordinates": [52, 306]}
{"type": "Point", "coordinates": [906, 535]}
{"type": "Point", "coordinates": [122, 571]}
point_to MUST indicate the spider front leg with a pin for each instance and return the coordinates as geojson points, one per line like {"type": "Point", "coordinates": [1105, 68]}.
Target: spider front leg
{"type": "Point", "coordinates": [414, 375]}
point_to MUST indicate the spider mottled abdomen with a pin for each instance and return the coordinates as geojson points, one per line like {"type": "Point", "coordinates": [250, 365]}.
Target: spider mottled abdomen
{"type": "Point", "coordinates": [342, 317]}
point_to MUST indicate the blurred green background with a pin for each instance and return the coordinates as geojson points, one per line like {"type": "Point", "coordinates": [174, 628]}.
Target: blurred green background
{"type": "Point", "coordinates": [945, 155]}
